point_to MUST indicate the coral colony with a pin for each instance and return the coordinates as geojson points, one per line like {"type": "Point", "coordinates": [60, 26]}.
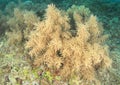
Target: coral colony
{"type": "Point", "coordinates": [46, 45]}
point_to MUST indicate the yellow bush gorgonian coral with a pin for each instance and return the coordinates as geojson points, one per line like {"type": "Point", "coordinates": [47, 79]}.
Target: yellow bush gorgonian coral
{"type": "Point", "coordinates": [20, 26]}
{"type": "Point", "coordinates": [53, 45]}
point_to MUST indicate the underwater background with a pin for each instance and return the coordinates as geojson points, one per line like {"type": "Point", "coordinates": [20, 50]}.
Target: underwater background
{"type": "Point", "coordinates": [59, 42]}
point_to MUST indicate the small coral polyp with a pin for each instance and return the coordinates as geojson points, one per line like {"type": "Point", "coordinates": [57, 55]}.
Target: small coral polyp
{"type": "Point", "coordinates": [53, 45]}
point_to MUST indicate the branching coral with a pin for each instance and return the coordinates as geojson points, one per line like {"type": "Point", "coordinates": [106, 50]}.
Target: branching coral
{"type": "Point", "coordinates": [53, 45]}
{"type": "Point", "coordinates": [49, 33]}
{"type": "Point", "coordinates": [20, 26]}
